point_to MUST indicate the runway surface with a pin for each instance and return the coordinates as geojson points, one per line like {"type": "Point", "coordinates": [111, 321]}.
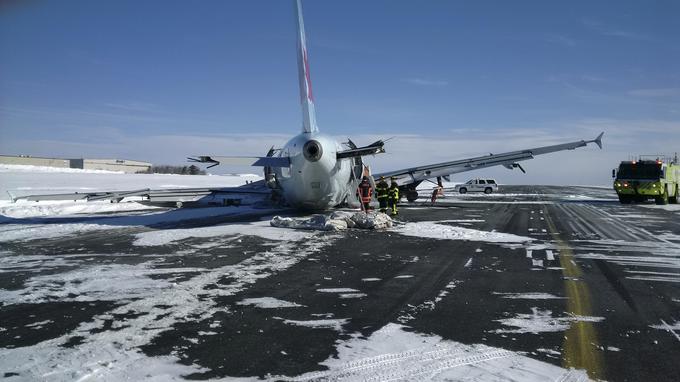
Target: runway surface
{"type": "Point", "coordinates": [534, 283]}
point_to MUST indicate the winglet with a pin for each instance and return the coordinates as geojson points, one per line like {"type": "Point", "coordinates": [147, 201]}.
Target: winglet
{"type": "Point", "coordinates": [304, 77]}
{"type": "Point", "coordinates": [598, 140]}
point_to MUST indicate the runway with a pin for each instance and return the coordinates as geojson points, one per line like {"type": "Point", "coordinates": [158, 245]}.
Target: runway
{"type": "Point", "coordinates": [533, 283]}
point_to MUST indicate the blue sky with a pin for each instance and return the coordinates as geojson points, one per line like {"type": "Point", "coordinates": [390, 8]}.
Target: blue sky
{"type": "Point", "coordinates": [161, 80]}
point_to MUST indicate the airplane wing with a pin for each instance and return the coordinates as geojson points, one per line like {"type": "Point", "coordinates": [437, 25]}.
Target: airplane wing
{"type": "Point", "coordinates": [409, 178]}
{"type": "Point", "coordinates": [172, 197]}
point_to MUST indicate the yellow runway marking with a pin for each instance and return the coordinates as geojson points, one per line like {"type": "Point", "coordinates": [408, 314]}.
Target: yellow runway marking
{"type": "Point", "coordinates": [580, 340]}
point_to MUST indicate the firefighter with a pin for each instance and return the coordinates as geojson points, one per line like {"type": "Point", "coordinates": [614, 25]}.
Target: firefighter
{"type": "Point", "coordinates": [393, 194]}
{"type": "Point", "coordinates": [381, 190]}
{"type": "Point", "coordinates": [364, 192]}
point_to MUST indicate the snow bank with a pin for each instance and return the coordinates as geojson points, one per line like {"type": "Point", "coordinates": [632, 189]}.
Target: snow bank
{"type": "Point", "coordinates": [53, 228]}
{"type": "Point", "coordinates": [337, 221]}
{"type": "Point", "coordinates": [24, 209]}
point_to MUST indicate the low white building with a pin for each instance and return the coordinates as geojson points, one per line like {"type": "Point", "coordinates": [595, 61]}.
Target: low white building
{"type": "Point", "coordinates": [128, 166]}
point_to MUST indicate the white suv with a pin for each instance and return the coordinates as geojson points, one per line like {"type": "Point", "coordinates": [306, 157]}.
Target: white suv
{"type": "Point", "coordinates": [486, 186]}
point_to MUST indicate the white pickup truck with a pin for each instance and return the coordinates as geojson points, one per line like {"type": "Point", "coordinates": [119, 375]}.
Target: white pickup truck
{"type": "Point", "coordinates": [486, 186]}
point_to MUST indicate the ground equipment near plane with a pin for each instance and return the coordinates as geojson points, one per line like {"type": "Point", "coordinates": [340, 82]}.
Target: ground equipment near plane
{"type": "Point", "coordinates": [642, 179]}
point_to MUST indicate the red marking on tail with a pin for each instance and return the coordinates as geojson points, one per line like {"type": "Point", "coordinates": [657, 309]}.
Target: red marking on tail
{"type": "Point", "coordinates": [308, 78]}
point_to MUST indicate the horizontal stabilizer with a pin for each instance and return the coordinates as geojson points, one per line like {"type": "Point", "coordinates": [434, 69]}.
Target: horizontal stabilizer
{"type": "Point", "coordinates": [598, 140]}
{"type": "Point", "coordinates": [242, 161]}
{"type": "Point", "coordinates": [372, 149]}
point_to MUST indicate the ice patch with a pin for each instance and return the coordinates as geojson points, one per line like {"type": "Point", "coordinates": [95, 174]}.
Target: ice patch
{"type": "Point", "coordinates": [393, 353]}
{"type": "Point", "coordinates": [529, 296]}
{"type": "Point", "coordinates": [335, 324]}
{"type": "Point", "coordinates": [440, 231]}
{"type": "Point", "coordinates": [337, 290]}
{"type": "Point", "coordinates": [352, 295]}
{"type": "Point", "coordinates": [549, 351]}
{"type": "Point", "coordinates": [268, 303]}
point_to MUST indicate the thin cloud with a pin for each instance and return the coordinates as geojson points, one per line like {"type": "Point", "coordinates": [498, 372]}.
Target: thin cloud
{"type": "Point", "coordinates": [133, 106]}
{"type": "Point", "coordinates": [425, 82]}
{"type": "Point", "coordinates": [560, 40]}
{"type": "Point", "coordinates": [611, 31]}
{"type": "Point", "coordinates": [658, 92]}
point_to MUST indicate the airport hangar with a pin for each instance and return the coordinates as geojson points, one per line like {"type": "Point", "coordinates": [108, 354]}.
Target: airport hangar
{"type": "Point", "coordinates": [127, 166]}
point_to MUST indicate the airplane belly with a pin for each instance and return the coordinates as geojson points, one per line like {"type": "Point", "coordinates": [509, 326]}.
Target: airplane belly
{"type": "Point", "coordinates": [317, 187]}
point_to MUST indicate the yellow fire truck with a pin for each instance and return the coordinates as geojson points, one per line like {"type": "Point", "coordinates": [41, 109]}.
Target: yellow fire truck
{"type": "Point", "coordinates": [639, 180]}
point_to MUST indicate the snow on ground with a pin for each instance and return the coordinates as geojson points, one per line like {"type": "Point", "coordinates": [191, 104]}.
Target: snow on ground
{"type": "Point", "coordinates": [335, 323]}
{"type": "Point", "coordinates": [28, 180]}
{"type": "Point", "coordinates": [528, 296]}
{"type": "Point", "coordinates": [268, 303]}
{"type": "Point", "coordinates": [440, 231]}
{"type": "Point", "coordinates": [337, 290]}
{"type": "Point", "coordinates": [668, 207]}
{"type": "Point", "coordinates": [47, 169]}
{"type": "Point", "coordinates": [539, 321]}
{"type": "Point", "coordinates": [673, 328]}
{"type": "Point", "coordinates": [392, 353]}
{"type": "Point", "coordinates": [25, 209]}
{"type": "Point", "coordinates": [261, 229]}
{"type": "Point", "coordinates": [150, 305]}
{"type": "Point", "coordinates": [51, 227]}
{"type": "Point", "coordinates": [18, 181]}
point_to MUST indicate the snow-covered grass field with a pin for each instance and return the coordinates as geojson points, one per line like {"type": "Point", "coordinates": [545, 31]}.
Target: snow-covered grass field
{"type": "Point", "coordinates": [17, 181]}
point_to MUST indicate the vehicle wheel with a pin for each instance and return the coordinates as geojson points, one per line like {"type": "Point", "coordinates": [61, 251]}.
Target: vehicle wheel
{"type": "Point", "coordinates": [674, 198]}
{"type": "Point", "coordinates": [488, 190]}
{"type": "Point", "coordinates": [462, 190]}
{"type": "Point", "coordinates": [625, 199]}
{"type": "Point", "coordinates": [412, 195]}
{"type": "Point", "coordinates": [663, 198]}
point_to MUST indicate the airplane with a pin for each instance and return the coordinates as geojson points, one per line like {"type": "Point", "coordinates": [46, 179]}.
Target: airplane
{"type": "Point", "coordinates": [313, 171]}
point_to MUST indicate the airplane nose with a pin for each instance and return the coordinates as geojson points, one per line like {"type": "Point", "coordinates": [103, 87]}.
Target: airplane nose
{"type": "Point", "coordinates": [312, 150]}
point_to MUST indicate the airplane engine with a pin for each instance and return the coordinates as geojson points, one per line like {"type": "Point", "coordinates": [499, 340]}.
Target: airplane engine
{"type": "Point", "coordinates": [313, 151]}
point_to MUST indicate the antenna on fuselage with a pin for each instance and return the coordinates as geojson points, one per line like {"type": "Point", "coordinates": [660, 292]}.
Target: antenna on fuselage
{"type": "Point", "coordinates": [304, 77]}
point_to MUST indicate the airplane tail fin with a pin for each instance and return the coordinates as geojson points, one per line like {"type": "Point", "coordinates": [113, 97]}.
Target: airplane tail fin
{"type": "Point", "coordinates": [304, 77]}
